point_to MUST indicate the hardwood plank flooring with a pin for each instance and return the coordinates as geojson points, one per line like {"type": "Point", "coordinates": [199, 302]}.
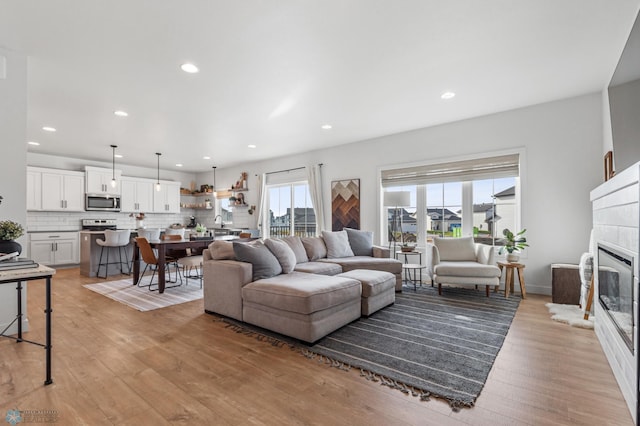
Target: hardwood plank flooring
{"type": "Point", "coordinates": [113, 365]}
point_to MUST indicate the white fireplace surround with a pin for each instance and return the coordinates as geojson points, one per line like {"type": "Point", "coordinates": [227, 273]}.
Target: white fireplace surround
{"type": "Point", "coordinates": [616, 223]}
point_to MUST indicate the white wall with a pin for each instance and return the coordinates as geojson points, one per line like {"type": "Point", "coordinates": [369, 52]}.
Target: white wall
{"type": "Point", "coordinates": [562, 142]}
{"type": "Point", "coordinates": [13, 180]}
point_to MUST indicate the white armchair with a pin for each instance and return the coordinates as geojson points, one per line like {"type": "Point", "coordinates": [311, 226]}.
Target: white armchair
{"type": "Point", "coordinates": [585, 269]}
{"type": "Point", "coordinates": [461, 261]}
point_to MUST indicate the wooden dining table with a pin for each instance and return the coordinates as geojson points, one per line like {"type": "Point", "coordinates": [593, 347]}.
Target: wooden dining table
{"type": "Point", "coordinates": [163, 246]}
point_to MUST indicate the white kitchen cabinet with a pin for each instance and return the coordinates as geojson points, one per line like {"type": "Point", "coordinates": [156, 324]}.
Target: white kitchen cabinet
{"type": "Point", "coordinates": [54, 248]}
{"type": "Point", "coordinates": [137, 195]}
{"type": "Point", "coordinates": [34, 189]}
{"type": "Point", "coordinates": [167, 200]}
{"type": "Point", "coordinates": [99, 180]}
{"type": "Point", "coordinates": [62, 190]}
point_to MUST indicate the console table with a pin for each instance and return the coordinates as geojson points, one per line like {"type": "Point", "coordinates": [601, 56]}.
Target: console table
{"type": "Point", "coordinates": [29, 274]}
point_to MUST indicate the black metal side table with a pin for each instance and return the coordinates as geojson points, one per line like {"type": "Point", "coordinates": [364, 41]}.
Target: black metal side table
{"type": "Point", "coordinates": [29, 274]}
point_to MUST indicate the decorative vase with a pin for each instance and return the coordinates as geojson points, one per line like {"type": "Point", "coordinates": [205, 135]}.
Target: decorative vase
{"type": "Point", "coordinates": [139, 224]}
{"type": "Point", "coordinates": [512, 258]}
{"type": "Point", "coordinates": [10, 246]}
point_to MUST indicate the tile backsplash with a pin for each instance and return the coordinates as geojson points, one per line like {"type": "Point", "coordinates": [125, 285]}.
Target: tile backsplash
{"type": "Point", "coordinates": [67, 221]}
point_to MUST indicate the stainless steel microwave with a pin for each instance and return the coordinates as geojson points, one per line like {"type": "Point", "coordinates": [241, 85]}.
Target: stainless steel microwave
{"type": "Point", "coordinates": [102, 202]}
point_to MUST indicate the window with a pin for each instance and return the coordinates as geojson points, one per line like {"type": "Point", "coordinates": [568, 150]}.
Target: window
{"type": "Point", "coordinates": [471, 197]}
{"type": "Point", "coordinates": [224, 210]}
{"type": "Point", "coordinates": [282, 220]}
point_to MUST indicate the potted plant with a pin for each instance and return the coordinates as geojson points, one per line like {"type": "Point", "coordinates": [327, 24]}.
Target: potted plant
{"type": "Point", "coordinates": [201, 229]}
{"type": "Point", "coordinates": [9, 231]}
{"type": "Point", "coordinates": [513, 243]}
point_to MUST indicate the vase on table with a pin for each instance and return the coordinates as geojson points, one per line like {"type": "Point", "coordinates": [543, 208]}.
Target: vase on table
{"type": "Point", "coordinates": [10, 246]}
{"type": "Point", "coordinates": [512, 258]}
{"type": "Point", "coordinates": [139, 223]}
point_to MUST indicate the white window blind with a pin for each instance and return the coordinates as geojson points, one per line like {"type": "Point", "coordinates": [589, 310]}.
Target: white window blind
{"type": "Point", "coordinates": [455, 171]}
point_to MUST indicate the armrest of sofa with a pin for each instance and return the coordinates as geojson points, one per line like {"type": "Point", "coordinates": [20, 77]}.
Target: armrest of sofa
{"type": "Point", "coordinates": [382, 252]}
{"type": "Point", "coordinates": [222, 286]}
{"type": "Point", "coordinates": [485, 254]}
{"type": "Point", "coordinates": [432, 258]}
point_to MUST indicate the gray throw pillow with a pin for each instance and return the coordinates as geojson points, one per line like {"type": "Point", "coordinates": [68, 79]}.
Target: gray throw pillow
{"type": "Point", "coordinates": [361, 242]}
{"type": "Point", "coordinates": [315, 248]}
{"type": "Point", "coordinates": [265, 264]}
{"type": "Point", "coordinates": [296, 245]}
{"type": "Point", "coordinates": [337, 244]}
{"type": "Point", "coordinates": [281, 250]}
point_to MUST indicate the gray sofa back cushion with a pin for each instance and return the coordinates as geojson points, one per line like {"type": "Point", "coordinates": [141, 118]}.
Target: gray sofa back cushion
{"type": "Point", "coordinates": [455, 249]}
{"type": "Point", "coordinates": [337, 244]}
{"type": "Point", "coordinates": [265, 264]}
{"type": "Point", "coordinates": [296, 245]}
{"type": "Point", "coordinates": [361, 242]}
{"type": "Point", "coordinates": [281, 250]}
{"type": "Point", "coordinates": [315, 248]}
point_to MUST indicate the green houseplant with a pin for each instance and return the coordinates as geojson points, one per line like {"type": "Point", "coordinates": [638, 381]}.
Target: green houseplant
{"type": "Point", "coordinates": [9, 231]}
{"type": "Point", "coordinates": [513, 243]}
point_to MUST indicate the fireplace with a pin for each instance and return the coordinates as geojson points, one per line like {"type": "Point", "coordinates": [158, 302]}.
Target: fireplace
{"type": "Point", "coordinates": [615, 290]}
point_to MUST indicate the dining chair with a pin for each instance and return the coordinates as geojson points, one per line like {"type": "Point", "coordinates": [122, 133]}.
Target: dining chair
{"type": "Point", "coordinates": [150, 259]}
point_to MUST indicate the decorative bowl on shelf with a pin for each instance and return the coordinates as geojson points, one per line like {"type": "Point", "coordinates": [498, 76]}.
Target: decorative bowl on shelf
{"type": "Point", "coordinates": [407, 249]}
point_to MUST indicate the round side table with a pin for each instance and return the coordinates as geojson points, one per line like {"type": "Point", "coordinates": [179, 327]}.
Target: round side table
{"type": "Point", "coordinates": [413, 272]}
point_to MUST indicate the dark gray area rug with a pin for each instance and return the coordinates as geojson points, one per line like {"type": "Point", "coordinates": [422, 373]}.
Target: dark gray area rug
{"type": "Point", "coordinates": [424, 344]}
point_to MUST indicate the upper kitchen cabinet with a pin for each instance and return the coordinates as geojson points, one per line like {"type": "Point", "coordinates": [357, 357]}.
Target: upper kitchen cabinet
{"type": "Point", "coordinates": [60, 190]}
{"type": "Point", "coordinates": [34, 189]}
{"type": "Point", "coordinates": [167, 200]}
{"type": "Point", "coordinates": [99, 180]}
{"type": "Point", "coordinates": [137, 195]}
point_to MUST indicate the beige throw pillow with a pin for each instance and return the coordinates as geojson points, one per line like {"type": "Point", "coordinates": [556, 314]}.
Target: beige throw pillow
{"type": "Point", "coordinates": [298, 248]}
{"type": "Point", "coordinates": [337, 244]}
{"type": "Point", "coordinates": [456, 249]}
{"type": "Point", "coordinates": [315, 248]}
{"type": "Point", "coordinates": [222, 250]}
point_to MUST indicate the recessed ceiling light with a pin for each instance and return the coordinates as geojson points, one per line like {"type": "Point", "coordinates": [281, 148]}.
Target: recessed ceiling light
{"type": "Point", "coordinates": [49, 129]}
{"type": "Point", "coordinates": [121, 113]}
{"type": "Point", "coordinates": [179, 165]}
{"type": "Point", "coordinates": [251, 146]}
{"type": "Point", "coordinates": [206, 157]}
{"type": "Point", "coordinates": [327, 127]}
{"type": "Point", "coordinates": [447, 95]}
{"type": "Point", "coordinates": [190, 68]}
{"type": "Point", "coordinates": [33, 143]}
{"type": "Point", "coordinates": [118, 155]}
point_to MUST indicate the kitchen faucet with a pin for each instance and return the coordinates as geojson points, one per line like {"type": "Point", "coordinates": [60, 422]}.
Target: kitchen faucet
{"type": "Point", "coordinates": [221, 222]}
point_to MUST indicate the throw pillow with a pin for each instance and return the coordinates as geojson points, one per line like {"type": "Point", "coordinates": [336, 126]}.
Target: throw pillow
{"type": "Point", "coordinates": [315, 248]}
{"type": "Point", "coordinates": [296, 245]}
{"type": "Point", "coordinates": [281, 250]}
{"type": "Point", "coordinates": [222, 250]}
{"type": "Point", "coordinates": [456, 248]}
{"type": "Point", "coordinates": [265, 264]}
{"type": "Point", "coordinates": [337, 244]}
{"type": "Point", "coordinates": [361, 242]}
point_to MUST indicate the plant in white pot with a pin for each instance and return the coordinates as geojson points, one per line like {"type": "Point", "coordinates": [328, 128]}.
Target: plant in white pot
{"type": "Point", "coordinates": [513, 243]}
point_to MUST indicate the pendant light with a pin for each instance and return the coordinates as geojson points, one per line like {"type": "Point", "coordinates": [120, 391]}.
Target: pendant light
{"type": "Point", "coordinates": [215, 193]}
{"type": "Point", "coordinates": [113, 166]}
{"type": "Point", "coordinates": [158, 183]}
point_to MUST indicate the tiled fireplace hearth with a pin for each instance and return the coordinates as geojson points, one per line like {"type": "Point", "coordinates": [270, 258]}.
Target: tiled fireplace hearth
{"type": "Point", "coordinates": [616, 222]}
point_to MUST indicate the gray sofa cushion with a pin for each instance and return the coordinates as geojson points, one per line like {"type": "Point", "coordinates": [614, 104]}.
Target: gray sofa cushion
{"type": "Point", "coordinates": [337, 244]}
{"type": "Point", "coordinates": [322, 268]}
{"type": "Point", "coordinates": [466, 269]}
{"type": "Point", "coordinates": [364, 262]}
{"type": "Point", "coordinates": [361, 242]}
{"type": "Point", "coordinates": [298, 248]}
{"type": "Point", "coordinates": [455, 248]}
{"type": "Point", "coordinates": [265, 264]}
{"type": "Point", "coordinates": [315, 248]}
{"type": "Point", "coordinates": [301, 293]}
{"type": "Point", "coordinates": [282, 251]}
{"type": "Point", "coordinates": [373, 282]}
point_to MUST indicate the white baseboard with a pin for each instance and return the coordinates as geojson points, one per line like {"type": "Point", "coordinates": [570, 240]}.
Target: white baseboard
{"type": "Point", "coordinates": [14, 328]}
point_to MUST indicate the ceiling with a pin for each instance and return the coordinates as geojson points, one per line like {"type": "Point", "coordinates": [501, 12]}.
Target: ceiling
{"type": "Point", "coordinates": [273, 72]}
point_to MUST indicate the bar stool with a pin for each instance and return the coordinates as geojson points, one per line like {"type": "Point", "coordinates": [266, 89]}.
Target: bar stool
{"type": "Point", "coordinates": [113, 239]}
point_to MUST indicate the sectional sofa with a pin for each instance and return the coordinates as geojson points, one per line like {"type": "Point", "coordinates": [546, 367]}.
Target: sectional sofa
{"type": "Point", "coordinates": [300, 287]}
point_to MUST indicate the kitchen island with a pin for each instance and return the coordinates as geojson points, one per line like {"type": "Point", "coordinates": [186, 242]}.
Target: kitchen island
{"type": "Point", "coordinates": [90, 254]}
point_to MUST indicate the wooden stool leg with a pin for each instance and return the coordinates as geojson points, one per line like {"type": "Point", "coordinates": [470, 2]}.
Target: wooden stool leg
{"type": "Point", "coordinates": [507, 282]}
{"type": "Point", "coordinates": [589, 299]}
{"type": "Point", "coordinates": [522, 285]}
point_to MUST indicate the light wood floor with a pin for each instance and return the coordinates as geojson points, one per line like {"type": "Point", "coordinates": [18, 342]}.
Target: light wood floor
{"type": "Point", "coordinates": [113, 365]}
